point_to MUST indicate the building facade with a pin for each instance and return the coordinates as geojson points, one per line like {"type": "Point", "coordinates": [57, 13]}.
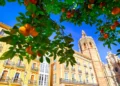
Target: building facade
{"type": "Point", "coordinates": [16, 72]}
{"type": "Point", "coordinates": [112, 69]}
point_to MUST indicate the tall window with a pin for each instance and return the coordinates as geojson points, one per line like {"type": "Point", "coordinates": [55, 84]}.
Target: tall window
{"type": "Point", "coordinates": [90, 44]}
{"type": "Point", "coordinates": [33, 65]}
{"type": "Point", "coordinates": [4, 74]}
{"type": "Point", "coordinates": [66, 75]}
{"type": "Point", "coordinates": [54, 78]}
{"type": "Point", "coordinates": [80, 77]}
{"type": "Point", "coordinates": [84, 46]}
{"type": "Point", "coordinates": [54, 67]}
{"type": "Point", "coordinates": [41, 80]}
{"type": "Point", "coordinates": [87, 79]}
{"type": "Point", "coordinates": [16, 76]}
{"type": "Point", "coordinates": [73, 77]}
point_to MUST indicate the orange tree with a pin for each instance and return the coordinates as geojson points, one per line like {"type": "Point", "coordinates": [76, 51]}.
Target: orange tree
{"type": "Point", "coordinates": [30, 37]}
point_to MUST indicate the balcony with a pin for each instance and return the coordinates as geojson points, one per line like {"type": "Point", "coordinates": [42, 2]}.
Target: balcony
{"type": "Point", "coordinates": [66, 69]}
{"type": "Point", "coordinates": [16, 81]}
{"type": "Point", "coordinates": [32, 82]}
{"type": "Point", "coordinates": [20, 67]}
{"type": "Point", "coordinates": [8, 64]}
{"type": "Point", "coordinates": [86, 73]}
{"type": "Point", "coordinates": [34, 69]}
{"type": "Point", "coordinates": [78, 63]}
{"type": "Point", "coordinates": [75, 82]}
{"type": "Point", "coordinates": [4, 80]}
{"type": "Point", "coordinates": [85, 65]}
{"type": "Point", "coordinates": [73, 69]}
{"type": "Point", "coordinates": [80, 71]}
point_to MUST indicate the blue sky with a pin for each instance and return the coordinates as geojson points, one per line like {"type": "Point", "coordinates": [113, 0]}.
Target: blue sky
{"type": "Point", "coordinates": [9, 13]}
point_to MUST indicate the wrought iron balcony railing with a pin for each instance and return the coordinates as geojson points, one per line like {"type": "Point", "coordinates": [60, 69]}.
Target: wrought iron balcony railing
{"type": "Point", "coordinates": [33, 82]}
{"type": "Point", "coordinates": [80, 71]}
{"type": "Point", "coordinates": [34, 69]}
{"type": "Point", "coordinates": [17, 80]}
{"type": "Point", "coordinates": [68, 81]}
{"type": "Point", "coordinates": [4, 79]}
{"type": "Point", "coordinates": [8, 64]}
{"type": "Point", "coordinates": [73, 69]}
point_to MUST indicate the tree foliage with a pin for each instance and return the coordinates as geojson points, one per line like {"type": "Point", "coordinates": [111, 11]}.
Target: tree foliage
{"type": "Point", "coordinates": [30, 37]}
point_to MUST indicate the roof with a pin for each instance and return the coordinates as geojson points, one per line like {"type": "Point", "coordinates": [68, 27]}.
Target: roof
{"type": "Point", "coordinates": [5, 26]}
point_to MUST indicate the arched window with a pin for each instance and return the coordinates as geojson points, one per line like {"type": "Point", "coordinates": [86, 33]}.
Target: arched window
{"type": "Point", "coordinates": [90, 44]}
{"type": "Point", "coordinates": [84, 46]}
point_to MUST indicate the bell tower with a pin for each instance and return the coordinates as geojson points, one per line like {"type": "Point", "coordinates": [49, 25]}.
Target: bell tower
{"type": "Point", "coordinates": [88, 48]}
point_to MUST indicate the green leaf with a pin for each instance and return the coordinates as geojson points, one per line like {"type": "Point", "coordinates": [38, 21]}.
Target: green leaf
{"type": "Point", "coordinates": [11, 0]}
{"type": "Point", "coordinates": [31, 7]}
{"type": "Point", "coordinates": [41, 59]}
{"type": "Point", "coordinates": [118, 50]}
{"type": "Point", "coordinates": [101, 39]}
{"type": "Point", "coordinates": [6, 39]}
{"type": "Point", "coordinates": [2, 2]}
{"type": "Point", "coordinates": [48, 60]}
{"type": "Point", "coordinates": [21, 58]}
{"type": "Point", "coordinates": [8, 54]}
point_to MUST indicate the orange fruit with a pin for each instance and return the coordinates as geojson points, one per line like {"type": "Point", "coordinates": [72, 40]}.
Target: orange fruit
{"type": "Point", "coordinates": [33, 32]}
{"type": "Point", "coordinates": [115, 10]}
{"type": "Point", "coordinates": [33, 15]}
{"type": "Point", "coordinates": [105, 35]}
{"type": "Point", "coordinates": [89, 6]}
{"type": "Point", "coordinates": [113, 27]}
{"type": "Point", "coordinates": [38, 53]}
{"type": "Point", "coordinates": [102, 31]}
{"type": "Point", "coordinates": [28, 50]}
{"type": "Point", "coordinates": [28, 26]}
{"type": "Point", "coordinates": [23, 31]}
{"type": "Point", "coordinates": [116, 23]}
{"type": "Point", "coordinates": [63, 10]}
{"type": "Point", "coordinates": [26, 2]}
{"type": "Point", "coordinates": [33, 1]}
{"type": "Point", "coordinates": [68, 13]}
{"type": "Point", "coordinates": [91, 1]}
{"type": "Point", "coordinates": [102, 4]}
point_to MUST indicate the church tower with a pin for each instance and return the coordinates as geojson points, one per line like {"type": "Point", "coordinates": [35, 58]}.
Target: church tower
{"type": "Point", "coordinates": [88, 48]}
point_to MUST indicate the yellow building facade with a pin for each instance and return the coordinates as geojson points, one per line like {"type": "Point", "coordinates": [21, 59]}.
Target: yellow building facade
{"type": "Point", "coordinates": [15, 72]}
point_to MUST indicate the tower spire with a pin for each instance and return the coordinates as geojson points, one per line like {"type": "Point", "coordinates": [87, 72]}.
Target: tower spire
{"type": "Point", "coordinates": [83, 33]}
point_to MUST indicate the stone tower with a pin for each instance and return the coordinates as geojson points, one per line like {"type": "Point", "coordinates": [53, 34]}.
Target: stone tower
{"type": "Point", "coordinates": [88, 48]}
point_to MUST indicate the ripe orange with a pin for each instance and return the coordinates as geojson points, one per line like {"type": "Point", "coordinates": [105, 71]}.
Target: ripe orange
{"type": "Point", "coordinates": [89, 6]}
{"type": "Point", "coordinates": [33, 32]}
{"type": "Point", "coordinates": [29, 50]}
{"type": "Point", "coordinates": [115, 10]}
{"type": "Point", "coordinates": [28, 26]}
{"type": "Point", "coordinates": [33, 1]}
{"type": "Point", "coordinates": [116, 23]}
{"type": "Point", "coordinates": [91, 1]}
{"type": "Point", "coordinates": [26, 2]}
{"type": "Point", "coordinates": [63, 10]}
{"type": "Point", "coordinates": [102, 4]}
{"type": "Point", "coordinates": [102, 31]}
{"type": "Point", "coordinates": [23, 31]}
{"type": "Point", "coordinates": [105, 35]}
{"type": "Point", "coordinates": [38, 53]}
{"type": "Point", "coordinates": [113, 27]}
{"type": "Point", "coordinates": [33, 15]}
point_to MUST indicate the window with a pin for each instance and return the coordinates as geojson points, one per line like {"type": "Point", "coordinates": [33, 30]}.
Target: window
{"type": "Point", "coordinates": [33, 65]}
{"type": "Point", "coordinates": [80, 78]}
{"type": "Point", "coordinates": [66, 75]}
{"type": "Point", "coordinates": [87, 79]}
{"type": "Point", "coordinates": [84, 46]}
{"type": "Point", "coordinates": [92, 79]}
{"type": "Point", "coordinates": [90, 44]}
{"type": "Point", "coordinates": [73, 78]}
{"type": "Point", "coordinates": [16, 76]}
{"type": "Point", "coordinates": [4, 74]}
{"type": "Point", "coordinates": [54, 78]}
{"type": "Point", "coordinates": [54, 67]}
{"type": "Point", "coordinates": [116, 69]}
{"type": "Point", "coordinates": [41, 79]}
{"type": "Point", "coordinates": [2, 32]}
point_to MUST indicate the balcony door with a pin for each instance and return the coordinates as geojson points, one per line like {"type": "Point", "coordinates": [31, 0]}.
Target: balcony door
{"type": "Point", "coordinates": [4, 75]}
{"type": "Point", "coordinates": [32, 79]}
{"type": "Point", "coordinates": [16, 77]}
{"type": "Point", "coordinates": [34, 65]}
